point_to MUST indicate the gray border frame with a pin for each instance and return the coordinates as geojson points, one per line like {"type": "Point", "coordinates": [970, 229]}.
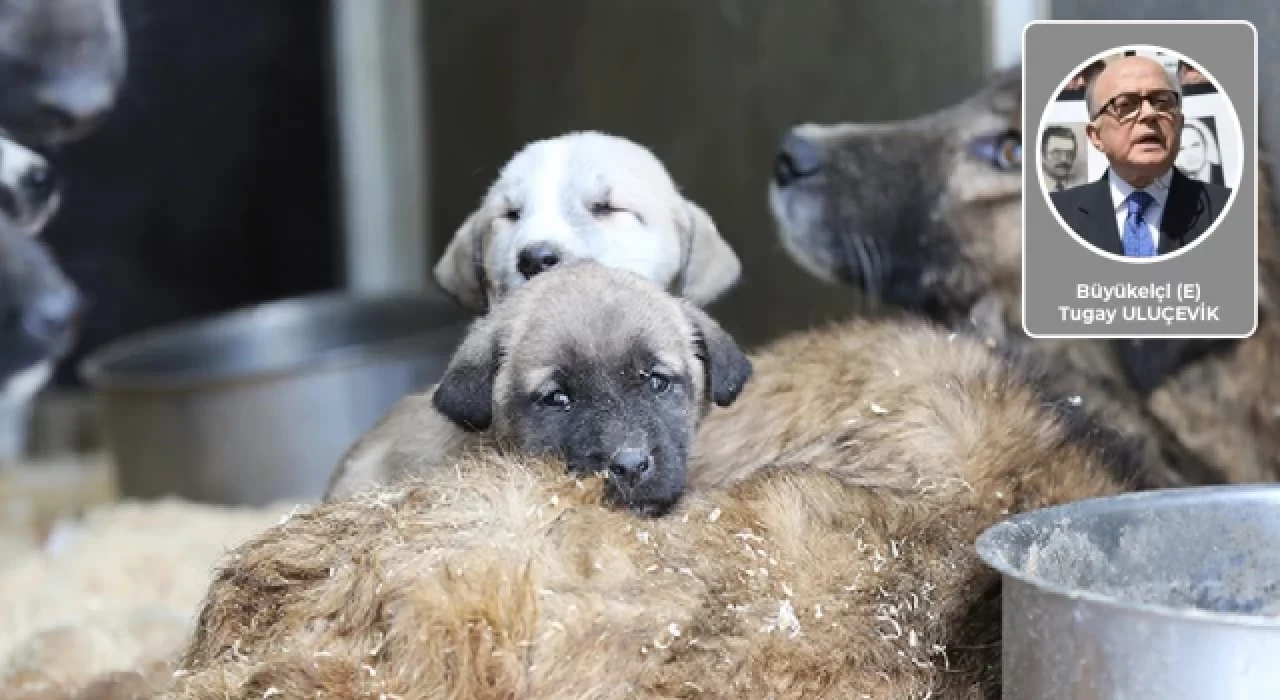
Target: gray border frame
{"type": "Point", "coordinates": [1101, 37]}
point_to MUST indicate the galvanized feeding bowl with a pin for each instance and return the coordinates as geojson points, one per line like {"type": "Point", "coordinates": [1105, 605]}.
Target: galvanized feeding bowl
{"type": "Point", "coordinates": [258, 405]}
{"type": "Point", "coordinates": [1158, 595]}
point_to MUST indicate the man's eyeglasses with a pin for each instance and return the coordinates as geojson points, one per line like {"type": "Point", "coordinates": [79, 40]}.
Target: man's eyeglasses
{"type": "Point", "coordinates": [1126, 105]}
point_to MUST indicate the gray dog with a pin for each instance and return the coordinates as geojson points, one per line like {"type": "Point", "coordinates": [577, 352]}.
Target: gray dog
{"type": "Point", "coordinates": [62, 64]}
{"type": "Point", "coordinates": [37, 303]}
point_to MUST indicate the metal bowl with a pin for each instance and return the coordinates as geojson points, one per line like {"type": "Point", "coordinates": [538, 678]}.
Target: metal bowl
{"type": "Point", "coordinates": [257, 405]}
{"type": "Point", "coordinates": [1163, 594]}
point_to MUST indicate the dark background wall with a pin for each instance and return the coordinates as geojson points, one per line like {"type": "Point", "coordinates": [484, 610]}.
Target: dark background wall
{"type": "Point", "coordinates": [708, 85]}
{"type": "Point", "coordinates": [212, 184]}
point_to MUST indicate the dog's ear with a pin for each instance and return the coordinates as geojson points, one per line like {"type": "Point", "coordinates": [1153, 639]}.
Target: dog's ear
{"type": "Point", "coordinates": [728, 369]}
{"type": "Point", "coordinates": [464, 393]}
{"type": "Point", "coordinates": [460, 271]}
{"type": "Point", "coordinates": [1147, 362]}
{"type": "Point", "coordinates": [711, 267]}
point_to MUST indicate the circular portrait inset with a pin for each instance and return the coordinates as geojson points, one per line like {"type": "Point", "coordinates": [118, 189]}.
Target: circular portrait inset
{"type": "Point", "coordinates": [1140, 153]}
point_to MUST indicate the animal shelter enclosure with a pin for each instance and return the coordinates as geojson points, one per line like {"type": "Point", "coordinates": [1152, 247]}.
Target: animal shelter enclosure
{"type": "Point", "coordinates": [602, 349]}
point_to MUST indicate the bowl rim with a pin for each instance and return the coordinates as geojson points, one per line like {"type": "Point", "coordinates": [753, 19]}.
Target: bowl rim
{"type": "Point", "coordinates": [95, 370]}
{"type": "Point", "coordinates": [988, 549]}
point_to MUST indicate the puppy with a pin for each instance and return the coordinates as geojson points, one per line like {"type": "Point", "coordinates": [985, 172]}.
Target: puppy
{"type": "Point", "coordinates": [580, 196]}
{"type": "Point", "coordinates": [586, 195]}
{"type": "Point", "coordinates": [594, 364]}
{"type": "Point", "coordinates": [38, 304]}
{"type": "Point", "coordinates": [62, 67]}
{"type": "Point", "coordinates": [925, 215]}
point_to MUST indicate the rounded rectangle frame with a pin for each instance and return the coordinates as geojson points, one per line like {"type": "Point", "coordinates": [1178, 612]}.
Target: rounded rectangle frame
{"type": "Point", "coordinates": [1071, 290]}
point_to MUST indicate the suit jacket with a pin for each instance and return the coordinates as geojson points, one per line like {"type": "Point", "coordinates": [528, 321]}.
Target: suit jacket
{"type": "Point", "coordinates": [1192, 207]}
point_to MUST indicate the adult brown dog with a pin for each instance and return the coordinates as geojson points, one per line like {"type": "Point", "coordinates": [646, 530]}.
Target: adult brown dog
{"type": "Point", "coordinates": [924, 214]}
{"type": "Point", "coordinates": [825, 550]}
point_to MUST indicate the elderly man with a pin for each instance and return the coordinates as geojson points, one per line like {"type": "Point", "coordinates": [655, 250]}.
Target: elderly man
{"type": "Point", "coordinates": [1142, 206]}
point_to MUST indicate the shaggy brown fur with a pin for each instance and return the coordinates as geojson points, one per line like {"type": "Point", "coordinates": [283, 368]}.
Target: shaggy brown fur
{"type": "Point", "coordinates": [850, 576]}
{"type": "Point", "coordinates": [925, 215]}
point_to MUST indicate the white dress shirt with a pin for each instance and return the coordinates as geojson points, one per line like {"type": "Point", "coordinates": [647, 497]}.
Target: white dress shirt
{"type": "Point", "coordinates": [1154, 213]}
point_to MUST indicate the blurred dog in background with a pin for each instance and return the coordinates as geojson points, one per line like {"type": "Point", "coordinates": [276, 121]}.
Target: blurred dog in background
{"type": "Point", "coordinates": [925, 215]}
{"type": "Point", "coordinates": [62, 65]}
{"type": "Point", "coordinates": [38, 304]}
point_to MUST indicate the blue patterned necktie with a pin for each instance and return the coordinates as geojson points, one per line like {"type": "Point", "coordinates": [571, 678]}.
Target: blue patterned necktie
{"type": "Point", "coordinates": [1138, 242]}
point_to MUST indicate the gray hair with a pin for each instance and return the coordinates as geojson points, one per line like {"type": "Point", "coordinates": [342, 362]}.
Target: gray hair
{"type": "Point", "coordinates": [1175, 84]}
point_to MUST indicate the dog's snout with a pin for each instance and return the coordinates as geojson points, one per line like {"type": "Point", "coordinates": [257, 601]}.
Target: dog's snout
{"type": "Point", "coordinates": [73, 107]}
{"type": "Point", "coordinates": [798, 158]}
{"type": "Point", "coordinates": [631, 464]}
{"type": "Point", "coordinates": [52, 318]}
{"type": "Point", "coordinates": [39, 183]}
{"type": "Point", "coordinates": [537, 258]}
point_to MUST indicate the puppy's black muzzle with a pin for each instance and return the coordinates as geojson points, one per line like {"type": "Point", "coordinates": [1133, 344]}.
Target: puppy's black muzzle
{"type": "Point", "coordinates": [646, 481]}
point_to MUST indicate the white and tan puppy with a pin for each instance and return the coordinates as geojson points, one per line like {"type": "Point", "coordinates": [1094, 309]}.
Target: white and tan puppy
{"type": "Point", "coordinates": [586, 195]}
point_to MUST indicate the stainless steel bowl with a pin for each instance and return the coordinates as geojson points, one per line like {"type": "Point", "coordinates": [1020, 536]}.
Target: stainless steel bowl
{"type": "Point", "coordinates": [1165, 594]}
{"type": "Point", "coordinates": [258, 405]}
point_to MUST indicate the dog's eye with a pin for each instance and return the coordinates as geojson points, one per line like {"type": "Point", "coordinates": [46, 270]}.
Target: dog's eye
{"type": "Point", "coordinates": [556, 399]}
{"type": "Point", "coordinates": [603, 209]}
{"type": "Point", "coordinates": [512, 214]}
{"type": "Point", "coordinates": [1002, 150]}
{"type": "Point", "coordinates": [1009, 153]}
{"type": "Point", "coordinates": [658, 383]}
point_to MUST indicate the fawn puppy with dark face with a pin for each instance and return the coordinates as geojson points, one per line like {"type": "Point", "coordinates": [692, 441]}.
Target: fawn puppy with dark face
{"type": "Point", "coordinates": [595, 365]}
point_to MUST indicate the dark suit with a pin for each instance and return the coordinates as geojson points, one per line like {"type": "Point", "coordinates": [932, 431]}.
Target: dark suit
{"type": "Point", "coordinates": [1191, 208]}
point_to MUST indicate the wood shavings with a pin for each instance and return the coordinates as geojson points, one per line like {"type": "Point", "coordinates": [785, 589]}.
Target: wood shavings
{"type": "Point", "coordinates": [785, 620]}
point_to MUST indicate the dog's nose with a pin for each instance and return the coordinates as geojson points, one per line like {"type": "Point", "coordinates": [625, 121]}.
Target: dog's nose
{"type": "Point", "coordinates": [73, 107]}
{"type": "Point", "coordinates": [797, 159]}
{"type": "Point", "coordinates": [631, 465]}
{"type": "Point", "coordinates": [536, 258]}
{"type": "Point", "coordinates": [39, 183]}
{"type": "Point", "coordinates": [53, 317]}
